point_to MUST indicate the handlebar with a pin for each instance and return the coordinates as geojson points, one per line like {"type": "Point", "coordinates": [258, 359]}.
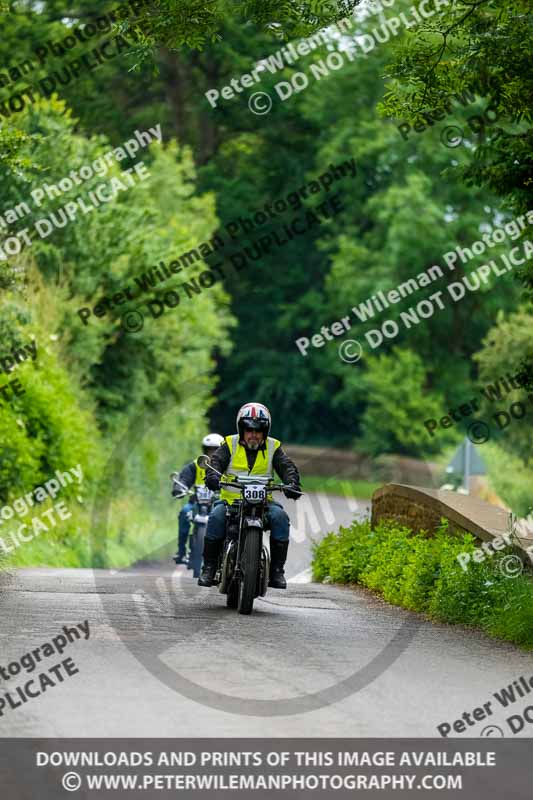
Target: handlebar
{"type": "Point", "coordinates": [280, 487]}
{"type": "Point", "coordinates": [205, 461]}
{"type": "Point", "coordinates": [182, 495]}
{"type": "Point", "coordinates": [270, 487]}
{"type": "Point", "coordinates": [184, 490]}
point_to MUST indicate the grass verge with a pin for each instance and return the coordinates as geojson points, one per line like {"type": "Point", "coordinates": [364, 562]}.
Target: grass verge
{"type": "Point", "coordinates": [422, 573]}
{"type": "Point", "coordinates": [361, 490]}
{"type": "Point", "coordinates": [133, 533]}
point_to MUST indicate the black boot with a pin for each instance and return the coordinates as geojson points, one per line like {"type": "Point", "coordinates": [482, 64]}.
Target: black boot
{"type": "Point", "coordinates": [212, 549]}
{"type": "Point", "coordinates": [181, 557]}
{"type": "Point", "coordinates": [278, 555]}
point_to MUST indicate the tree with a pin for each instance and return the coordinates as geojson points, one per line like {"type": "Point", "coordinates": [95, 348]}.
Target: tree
{"type": "Point", "coordinates": [194, 23]}
{"type": "Point", "coordinates": [404, 210]}
{"type": "Point", "coordinates": [394, 419]}
{"type": "Point", "coordinates": [506, 348]}
{"type": "Point", "coordinates": [506, 352]}
{"type": "Point", "coordinates": [483, 47]}
{"type": "Point", "coordinates": [92, 383]}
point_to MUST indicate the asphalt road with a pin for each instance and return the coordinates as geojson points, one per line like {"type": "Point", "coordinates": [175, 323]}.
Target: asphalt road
{"type": "Point", "coordinates": [165, 658]}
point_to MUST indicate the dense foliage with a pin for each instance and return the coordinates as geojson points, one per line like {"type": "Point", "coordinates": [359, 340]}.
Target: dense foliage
{"type": "Point", "coordinates": [412, 200]}
{"type": "Point", "coordinates": [422, 573]}
{"type": "Point", "coordinates": [175, 23]}
{"type": "Point", "coordinates": [91, 384]}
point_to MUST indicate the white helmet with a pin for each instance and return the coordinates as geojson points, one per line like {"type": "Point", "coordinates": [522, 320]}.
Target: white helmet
{"type": "Point", "coordinates": [253, 416]}
{"type": "Point", "coordinates": [212, 441]}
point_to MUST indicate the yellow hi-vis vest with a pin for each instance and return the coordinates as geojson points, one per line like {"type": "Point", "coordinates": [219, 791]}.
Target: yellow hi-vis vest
{"type": "Point", "coordinates": [238, 465]}
{"type": "Point", "coordinates": [200, 474]}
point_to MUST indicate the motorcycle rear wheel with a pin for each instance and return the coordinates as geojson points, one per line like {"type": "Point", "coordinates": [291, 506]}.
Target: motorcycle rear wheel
{"type": "Point", "coordinates": [250, 563]}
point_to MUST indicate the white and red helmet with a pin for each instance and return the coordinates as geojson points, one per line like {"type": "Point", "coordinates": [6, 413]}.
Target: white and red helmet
{"type": "Point", "coordinates": [253, 417]}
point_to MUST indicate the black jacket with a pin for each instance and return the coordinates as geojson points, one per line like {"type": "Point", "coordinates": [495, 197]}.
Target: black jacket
{"type": "Point", "coordinates": [282, 464]}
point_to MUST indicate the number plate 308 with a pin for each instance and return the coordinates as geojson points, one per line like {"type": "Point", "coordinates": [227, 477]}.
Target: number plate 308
{"type": "Point", "coordinates": [255, 493]}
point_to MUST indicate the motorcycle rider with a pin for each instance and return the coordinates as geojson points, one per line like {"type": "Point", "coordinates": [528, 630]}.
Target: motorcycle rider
{"type": "Point", "coordinates": [250, 452]}
{"type": "Point", "coordinates": [191, 475]}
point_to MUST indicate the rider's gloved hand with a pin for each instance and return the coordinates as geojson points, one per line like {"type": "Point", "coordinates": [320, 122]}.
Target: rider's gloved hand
{"type": "Point", "coordinates": [293, 493]}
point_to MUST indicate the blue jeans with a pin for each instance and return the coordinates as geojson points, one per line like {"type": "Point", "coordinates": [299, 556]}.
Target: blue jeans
{"type": "Point", "coordinates": [184, 528]}
{"type": "Point", "coordinates": [277, 521]}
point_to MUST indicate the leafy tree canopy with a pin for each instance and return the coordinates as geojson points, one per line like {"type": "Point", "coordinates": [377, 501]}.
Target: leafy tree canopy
{"type": "Point", "coordinates": [193, 23]}
{"type": "Point", "coordinates": [484, 47]}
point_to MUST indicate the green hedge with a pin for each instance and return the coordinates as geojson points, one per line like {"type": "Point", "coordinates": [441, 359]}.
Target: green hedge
{"type": "Point", "coordinates": [422, 573]}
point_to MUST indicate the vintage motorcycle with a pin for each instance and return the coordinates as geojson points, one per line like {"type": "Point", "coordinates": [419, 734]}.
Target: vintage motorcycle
{"type": "Point", "coordinates": [203, 499]}
{"type": "Point", "coordinates": [244, 565]}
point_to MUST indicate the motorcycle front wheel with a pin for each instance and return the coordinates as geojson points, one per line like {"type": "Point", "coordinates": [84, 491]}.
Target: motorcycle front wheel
{"type": "Point", "coordinates": [250, 563]}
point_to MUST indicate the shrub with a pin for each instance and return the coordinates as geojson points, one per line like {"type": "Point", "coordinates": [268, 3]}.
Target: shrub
{"type": "Point", "coordinates": [384, 571]}
{"type": "Point", "coordinates": [423, 574]}
{"type": "Point", "coordinates": [342, 558]}
{"type": "Point", "coordinates": [422, 568]}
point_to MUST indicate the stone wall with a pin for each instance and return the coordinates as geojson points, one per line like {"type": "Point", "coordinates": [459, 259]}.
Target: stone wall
{"type": "Point", "coordinates": [413, 513]}
{"type": "Point", "coordinates": [419, 508]}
